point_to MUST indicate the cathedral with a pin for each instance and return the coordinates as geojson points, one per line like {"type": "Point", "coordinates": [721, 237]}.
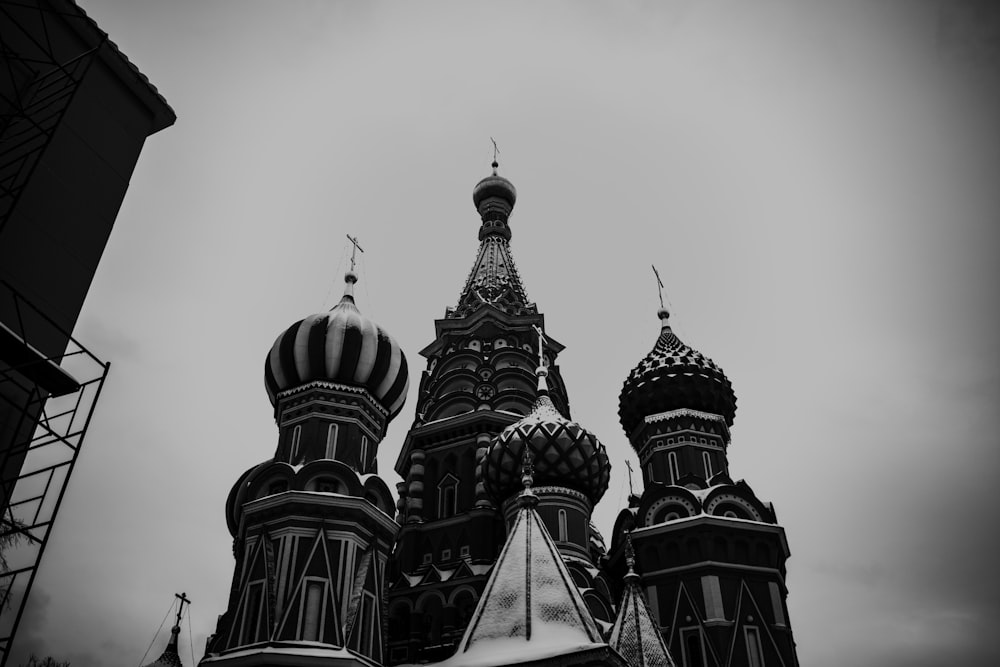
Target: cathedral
{"type": "Point", "coordinates": [486, 553]}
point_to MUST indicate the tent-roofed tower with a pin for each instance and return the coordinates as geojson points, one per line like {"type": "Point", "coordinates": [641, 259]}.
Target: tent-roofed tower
{"type": "Point", "coordinates": [636, 636]}
{"type": "Point", "coordinates": [531, 612]}
{"type": "Point", "coordinates": [312, 526]}
{"type": "Point", "coordinates": [478, 380]}
{"type": "Point", "coordinates": [712, 554]}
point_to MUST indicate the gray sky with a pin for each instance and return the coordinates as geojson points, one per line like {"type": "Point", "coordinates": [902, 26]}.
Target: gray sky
{"type": "Point", "coordinates": [816, 183]}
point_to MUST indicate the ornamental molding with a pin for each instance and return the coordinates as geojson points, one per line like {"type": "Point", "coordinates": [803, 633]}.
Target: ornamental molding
{"type": "Point", "coordinates": [323, 384]}
{"type": "Point", "coordinates": [685, 412]}
{"type": "Point", "coordinates": [552, 491]}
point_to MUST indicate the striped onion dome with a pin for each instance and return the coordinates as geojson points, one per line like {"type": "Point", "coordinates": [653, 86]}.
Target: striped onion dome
{"type": "Point", "coordinates": [564, 453]}
{"type": "Point", "coordinates": [341, 346]}
{"type": "Point", "coordinates": [671, 377]}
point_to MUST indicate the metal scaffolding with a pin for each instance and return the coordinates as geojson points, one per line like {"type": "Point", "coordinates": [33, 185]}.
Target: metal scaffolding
{"type": "Point", "coordinates": [52, 399]}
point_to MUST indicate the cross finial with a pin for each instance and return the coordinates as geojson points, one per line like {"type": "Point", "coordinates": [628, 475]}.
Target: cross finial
{"type": "Point", "coordinates": [354, 250]}
{"type": "Point", "coordinates": [180, 609]}
{"type": "Point", "coordinates": [628, 464]}
{"type": "Point", "coordinates": [659, 284]}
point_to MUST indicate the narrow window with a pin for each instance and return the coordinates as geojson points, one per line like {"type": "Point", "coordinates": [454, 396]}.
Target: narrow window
{"type": "Point", "coordinates": [692, 647]}
{"type": "Point", "coordinates": [755, 657]}
{"type": "Point", "coordinates": [649, 472]}
{"type": "Point", "coordinates": [563, 528]}
{"type": "Point", "coordinates": [448, 496]}
{"type": "Point", "coordinates": [296, 434]}
{"type": "Point", "coordinates": [331, 441]}
{"type": "Point", "coordinates": [364, 454]}
{"type": "Point", "coordinates": [779, 609]}
{"type": "Point", "coordinates": [674, 471]}
{"type": "Point", "coordinates": [707, 458]}
{"type": "Point", "coordinates": [253, 613]}
{"type": "Point", "coordinates": [713, 598]}
{"type": "Point", "coordinates": [312, 607]}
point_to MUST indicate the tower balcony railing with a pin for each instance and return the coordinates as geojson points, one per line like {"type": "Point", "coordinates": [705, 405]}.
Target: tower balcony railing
{"type": "Point", "coordinates": [47, 400]}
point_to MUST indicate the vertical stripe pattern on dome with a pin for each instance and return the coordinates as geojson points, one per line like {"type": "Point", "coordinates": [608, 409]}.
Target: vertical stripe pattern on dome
{"type": "Point", "coordinates": [341, 346]}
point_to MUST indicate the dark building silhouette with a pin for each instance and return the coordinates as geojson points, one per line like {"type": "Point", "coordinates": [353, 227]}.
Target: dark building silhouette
{"type": "Point", "coordinates": [74, 114]}
{"type": "Point", "coordinates": [491, 558]}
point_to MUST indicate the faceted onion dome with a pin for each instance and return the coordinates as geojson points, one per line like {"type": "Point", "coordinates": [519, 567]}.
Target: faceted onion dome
{"type": "Point", "coordinates": [341, 346]}
{"type": "Point", "coordinates": [671, 377]}
{"type": "Point", "coordinates": [564, 453]}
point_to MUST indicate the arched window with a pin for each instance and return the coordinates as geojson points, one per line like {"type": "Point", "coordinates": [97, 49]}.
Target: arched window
{"type": "Point", "coordinates": [331, 441]}
{"type": "Point", "coordinates": [707, 459]}
{"type": "Point", "coordinates": [563, 527]}
{"type": "Point", "coordinates": [296, 434]}
{"type": "Point", "coordinates": [674, 470]}
{"type": "Point", "coordinates": [448, 496]}
{"type": "Point", "coordinates": [312, 606]}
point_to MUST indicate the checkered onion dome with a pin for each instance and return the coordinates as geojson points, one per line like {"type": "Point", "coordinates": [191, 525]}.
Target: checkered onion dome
{"type": "Point", "coordinates": [563, 452]}
{"type": "Point", "coordinates": [671, 377]}
{"type": "Point", "coordinates": [341, 346]}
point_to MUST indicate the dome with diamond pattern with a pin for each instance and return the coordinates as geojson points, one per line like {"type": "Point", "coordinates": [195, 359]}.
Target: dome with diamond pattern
{"type": "Point", "coordinates": [564, 453]}
{"type": "Point", "coordinates": [671, 377]}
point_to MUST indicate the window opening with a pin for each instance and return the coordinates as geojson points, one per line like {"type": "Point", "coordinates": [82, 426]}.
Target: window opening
{"type": "Point", "coordinates": [296, 434]}
{"type": "Point", "coordinates": [331, 441]}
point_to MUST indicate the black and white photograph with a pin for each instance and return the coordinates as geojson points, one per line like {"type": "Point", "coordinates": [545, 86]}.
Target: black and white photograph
{"type": "Point", "coordinates": [491, 334]}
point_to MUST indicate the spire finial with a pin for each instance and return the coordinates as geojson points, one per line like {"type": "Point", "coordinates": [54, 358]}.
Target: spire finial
{"type": "Point", "coordinates": [496, 153]}
{"type": "Point", "coordinates": [351, 277]}
{"type": "Point", "coordinates": [629, 553]}
{"type": "Point", "coordinates": [662, 313]}
{"type": "Point", "coordinates": [527, 471]}
{"type": "Point", "coordinates": [541, 372]}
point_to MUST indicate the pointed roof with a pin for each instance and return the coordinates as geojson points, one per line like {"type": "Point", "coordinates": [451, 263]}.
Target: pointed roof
{"type": "Point", "coordinates": [530, 608]}
{"type": "Point", "coordinates": [494, 279]}
{"type": "Point", "coordinates": [636, 636]}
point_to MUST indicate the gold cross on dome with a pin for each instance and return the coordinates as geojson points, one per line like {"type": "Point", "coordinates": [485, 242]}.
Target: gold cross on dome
{"type": "Point", "coordinates": [355, 249]}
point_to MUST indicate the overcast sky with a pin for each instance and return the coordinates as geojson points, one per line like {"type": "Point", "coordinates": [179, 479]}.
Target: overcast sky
{"type": "Point", "coordinates": [818, 186]}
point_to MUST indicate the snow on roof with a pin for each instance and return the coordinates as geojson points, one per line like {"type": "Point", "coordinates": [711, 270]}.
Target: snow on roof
{"type": "Point", "coordinates": [636, 636]}
{"type": "Point", "coordinates": [530, 608]}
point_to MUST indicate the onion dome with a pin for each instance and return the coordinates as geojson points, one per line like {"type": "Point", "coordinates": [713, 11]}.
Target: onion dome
{"type": "Point", "coordinates": [671, 377]}
{"type": "Point", "coordinates": [341, 346]}
{"type": "Point", "coordinates": [169, 657]}
{"type": "Point", "coordinates": [564, 453]}
{"type": "Point", "coordinates": [494, 197]}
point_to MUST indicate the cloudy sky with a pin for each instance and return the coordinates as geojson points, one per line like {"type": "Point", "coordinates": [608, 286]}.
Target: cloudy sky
{"type": "Point", "coordinates": [817, 184]}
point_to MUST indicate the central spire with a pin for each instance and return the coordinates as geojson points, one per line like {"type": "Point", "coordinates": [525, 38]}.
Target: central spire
{"type": "Point", "coordinates": [494, 279]}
